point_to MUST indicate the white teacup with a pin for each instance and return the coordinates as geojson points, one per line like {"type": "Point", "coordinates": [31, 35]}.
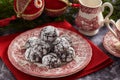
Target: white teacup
{"type": "Point", "coordinates": [115, 31]}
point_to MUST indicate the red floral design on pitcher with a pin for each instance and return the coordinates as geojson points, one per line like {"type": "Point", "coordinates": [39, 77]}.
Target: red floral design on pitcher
{"type": "Point", "coordinates": [87, 25]}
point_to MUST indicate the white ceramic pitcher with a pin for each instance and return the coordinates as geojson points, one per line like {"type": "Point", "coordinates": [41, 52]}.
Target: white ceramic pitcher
{"type": "Point", "coordinates": [89, 18]}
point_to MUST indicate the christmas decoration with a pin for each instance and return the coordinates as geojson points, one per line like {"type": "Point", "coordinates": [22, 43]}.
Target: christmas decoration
{"type": "Point", "coordinates": [28, 9]}
{"type": "Point", "coordinates": [22, 25]}
{"type": "Point", "coordinates": [55, 7]}
{"type": "Point", "coordinates": [58, 7]}
{"type": "Point", "coordinates": [7, 10]}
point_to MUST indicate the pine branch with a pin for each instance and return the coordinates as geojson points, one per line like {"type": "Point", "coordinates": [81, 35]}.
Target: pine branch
{"type": "Point", "coordinates": [6, 8]}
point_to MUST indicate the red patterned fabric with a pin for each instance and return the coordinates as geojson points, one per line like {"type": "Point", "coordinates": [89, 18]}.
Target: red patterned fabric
{"type": "Point", "coordinates": [99, 59]}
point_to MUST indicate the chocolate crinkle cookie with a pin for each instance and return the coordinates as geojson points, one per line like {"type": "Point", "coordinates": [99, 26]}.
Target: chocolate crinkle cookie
{"type": "Point", "coordinates": [32, 56]}
{"type": "Point", "coordinates": [49, 34]}
{"type": "Point", "coordinates": [61, 45]}
{"type": "Point", "coordinates": [31, 42]}
{"type": "Point", "coordinates": [36, 52]}
{"type": "Point", "coordinates": [67, 37]}
{"type": "Point", "coordinates": [42, 48]}
{"type": "Point", "coordinates": [64, 49]}
{"type": "Point", "coordinates": [51, 60]}
{"type": "Point", "coordinates": [70, 54]}
{"type": "Point", "coordinates": [49, 48]}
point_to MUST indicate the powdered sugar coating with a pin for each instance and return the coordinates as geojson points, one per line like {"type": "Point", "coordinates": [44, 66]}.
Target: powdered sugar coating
{"type": "Point", "coordinates": [63, 48]}
{"type": "Point", "coordinates": [35, 53]}
{"type": "Point", "coordinates": [61, 45]}
{"type": "Point", "coordinates": [32, 41]}
{"type": "Point", "coordinates": [70, 54]}
{"type": "Point", "coordinates": [49, 33]}
{"type": "Point", "coordinates": [31, 55]}
{"type": "Point", "coordinates": [67, 37]}
{"type": "Point", "coordinates": [51, 60]}
{"type": "Point", "coordinates": [42, 47]}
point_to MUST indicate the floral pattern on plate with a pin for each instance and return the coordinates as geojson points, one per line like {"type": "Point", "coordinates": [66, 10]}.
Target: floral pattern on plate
{"type": "Point", "coordinates": [83, 54]}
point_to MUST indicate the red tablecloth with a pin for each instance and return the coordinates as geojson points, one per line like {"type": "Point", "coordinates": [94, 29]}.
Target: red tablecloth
{"type": "Point", "coordinates": [99, 59]}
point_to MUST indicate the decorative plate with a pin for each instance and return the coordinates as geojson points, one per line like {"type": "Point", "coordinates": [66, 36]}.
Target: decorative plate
{"type": "Point", "coordinates": [83, 54]}
{"type": "Point", "coordinates": [109, 42]}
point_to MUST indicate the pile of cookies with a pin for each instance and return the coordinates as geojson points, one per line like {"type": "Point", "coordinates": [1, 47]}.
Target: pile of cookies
{"type": "Point", "coordinates": [49, 48]}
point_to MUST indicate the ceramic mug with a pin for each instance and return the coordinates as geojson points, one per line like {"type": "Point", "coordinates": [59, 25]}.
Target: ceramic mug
{"type": "Point", "coordinates": [89, 18]}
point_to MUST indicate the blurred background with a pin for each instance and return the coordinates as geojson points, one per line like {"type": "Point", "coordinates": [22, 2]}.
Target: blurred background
{"type": "Point", "coordinates": [7, 10]}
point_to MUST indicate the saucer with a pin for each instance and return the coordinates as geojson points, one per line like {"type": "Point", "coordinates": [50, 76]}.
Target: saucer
{"type": "Point", "coordinates": [83, 54]}
{"type": "Point", "coordinates": [109, 42]}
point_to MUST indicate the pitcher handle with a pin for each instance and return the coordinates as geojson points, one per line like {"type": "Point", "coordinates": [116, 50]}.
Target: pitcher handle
{"type": "Point", "coordinates": [107, 4]}
{"type": "Point", "coordinates": [110, 28]}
